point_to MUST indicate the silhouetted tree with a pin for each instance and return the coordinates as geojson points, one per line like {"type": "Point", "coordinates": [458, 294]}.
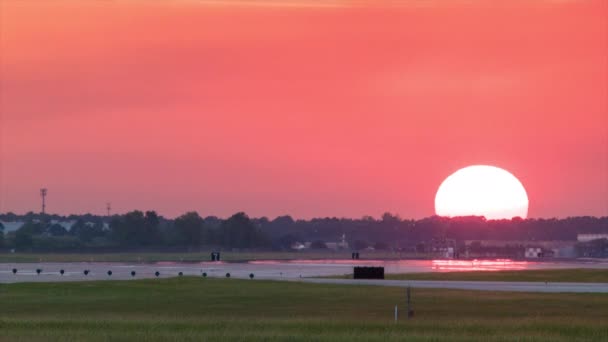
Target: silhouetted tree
{"type": "Point", "coordinates": [1, 235]}
{"type": "Point", "coordinates": [136, 229]}
{"type": "Point", "coordinates": [240, 232]}
{"type": "Point", "coordinates": [381, 246]}
{"type": "Point", "coordinates": [85, 231]}
{"type": "Point", "coordinates": [57, 230]}
{"type": "Point", "coordinates": [191, 229]}
{"type": "Point", "coordinates": [318, 244]}
{"type": "Point", "coordinates": [286, 241]}
{"type": "Point", "coordinates": [360, 244]}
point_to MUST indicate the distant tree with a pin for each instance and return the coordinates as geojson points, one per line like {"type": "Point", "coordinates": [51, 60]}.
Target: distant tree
{"type": "Point", "coordinates": [284, 221]}
{"type": "Point", "coordinates": [55, 243]}
{"type": "Point", "coordinates": [286, 241]}
{"type": "Point", "coordinates": [86, 232]}
{"type": "Point", "coordinates": [57, 230]}
{"type": "Point", "coordinates": [381, 246]}
{"type": "Point", "coordinates": [1, 235]}
{"type": "Point", "coordinates": [420, 247]}
{"type": "Point", "coordinates": [240, 232]}
{"type": "Point", "coordinates": [389, 218]}
{"type": "Point", "coordinates": [475, 247]}
{"type": "Point", "coordinates": [9, 217]}
{"type": "Point", "coordinates": [152, 222]}
{"type": "Point", "coordinates": [135, 229]}
{"type": "Point", "coordinates": [359, 244]}
{"type": "Point", "coordinates": [23, 240]}
{"type": "Point", "coordinates": [190, 228]}
{"type": "Point", "coordinates": [33, 228]}
{"type": "Point", "coordinates": [318, 244]}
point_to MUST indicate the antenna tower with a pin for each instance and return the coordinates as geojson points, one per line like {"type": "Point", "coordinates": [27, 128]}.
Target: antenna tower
{"type": "Point", "coordinates": [43, 193]}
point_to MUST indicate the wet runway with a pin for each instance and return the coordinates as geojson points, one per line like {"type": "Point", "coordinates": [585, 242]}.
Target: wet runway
{"type": "Point", "coordinates": [299, 270]}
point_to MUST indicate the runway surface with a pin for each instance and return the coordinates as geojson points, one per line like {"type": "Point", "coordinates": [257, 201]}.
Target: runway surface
{"type": "Point", "coordinates": [303, 270]}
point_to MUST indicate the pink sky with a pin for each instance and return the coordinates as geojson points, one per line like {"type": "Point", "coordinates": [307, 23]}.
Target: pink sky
{"type": "Point", "coordinates": [308, 108]}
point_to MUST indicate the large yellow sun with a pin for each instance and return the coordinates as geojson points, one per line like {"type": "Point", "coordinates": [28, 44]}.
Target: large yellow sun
{"type": "Point", "coordinates": [482, 190]}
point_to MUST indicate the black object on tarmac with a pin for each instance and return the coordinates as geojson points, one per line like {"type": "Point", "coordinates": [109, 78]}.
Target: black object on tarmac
{"type": "Point", "coordinates": [368, 272]}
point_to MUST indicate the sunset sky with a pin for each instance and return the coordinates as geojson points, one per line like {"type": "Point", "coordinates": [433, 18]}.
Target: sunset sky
{"type": "Point", "coordinates": [302, 107]}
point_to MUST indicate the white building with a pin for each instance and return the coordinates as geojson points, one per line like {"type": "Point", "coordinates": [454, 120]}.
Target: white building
{"type": "Point", "coordinates": [534, 252]}
{"type": "Point", "coordinates": [590, 237]}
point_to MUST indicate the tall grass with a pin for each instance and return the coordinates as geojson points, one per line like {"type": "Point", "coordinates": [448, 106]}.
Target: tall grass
{"type": "Point", "coordinates": [193, 309]}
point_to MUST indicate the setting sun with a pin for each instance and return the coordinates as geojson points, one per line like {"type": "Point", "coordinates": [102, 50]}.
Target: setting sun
{"type": "Point", "coordinates": [482, 190]}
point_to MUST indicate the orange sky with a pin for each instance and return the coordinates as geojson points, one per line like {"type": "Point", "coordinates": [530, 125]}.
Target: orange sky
{"type": "Point", "coordinates": [301, 107]}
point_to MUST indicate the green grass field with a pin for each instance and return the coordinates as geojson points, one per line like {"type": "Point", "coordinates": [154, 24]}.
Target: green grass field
{"type": "Point", "coordinates": [191, 257]}
{"type": "Point", "coordinates": [194, 309]}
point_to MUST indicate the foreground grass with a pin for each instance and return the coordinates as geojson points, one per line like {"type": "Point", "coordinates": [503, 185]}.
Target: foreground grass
{"type": "Point", "coordinates": [193, 309]}
{"type": "Point", "coordinates": [191, 256]}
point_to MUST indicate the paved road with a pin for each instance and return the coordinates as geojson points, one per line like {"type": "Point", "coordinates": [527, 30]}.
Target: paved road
{"type": "Point", "coordinates": [50, 272]}
{"type": "Point", "coordinates": [286, 271]}
{"type": "Point", "coordinates": [473, 285]}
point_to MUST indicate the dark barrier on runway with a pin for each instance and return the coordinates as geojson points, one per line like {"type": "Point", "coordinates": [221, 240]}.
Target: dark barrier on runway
{"type": "Point", "coordinates": [62, 272]}
{"type": "Point", "coordinates": [227, 275]}
{"type": "Point", "coordinates": [368, 273]}
{"type": "Point", "coordinates": [133, 273]}
{"type": "Point", "coordinates": [157, 273]}
{"type": "Point", "coordinates": [14, 271]}
{"type": "Point", "coordinates": [251, 276]}
{"type": "Point", "coordinates": [38, 271]}
{"type": "Point", "coordinates": [109, 273]}
{"type": "Point", "coordinates": [86, 272]}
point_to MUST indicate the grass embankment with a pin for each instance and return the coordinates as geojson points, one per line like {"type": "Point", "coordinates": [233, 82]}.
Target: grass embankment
{"type": "Point", "coordinates": [187, 256]}
{"type": "Point", "coordinates": [585, 275]}
{"type": "Point", "coordinates": [193, 309]}
{"type": "Point", "coordinates": [563, 275]}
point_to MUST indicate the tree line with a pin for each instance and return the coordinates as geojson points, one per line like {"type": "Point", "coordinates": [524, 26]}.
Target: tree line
{"type": "Point", "coordinates": [190, 231]}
